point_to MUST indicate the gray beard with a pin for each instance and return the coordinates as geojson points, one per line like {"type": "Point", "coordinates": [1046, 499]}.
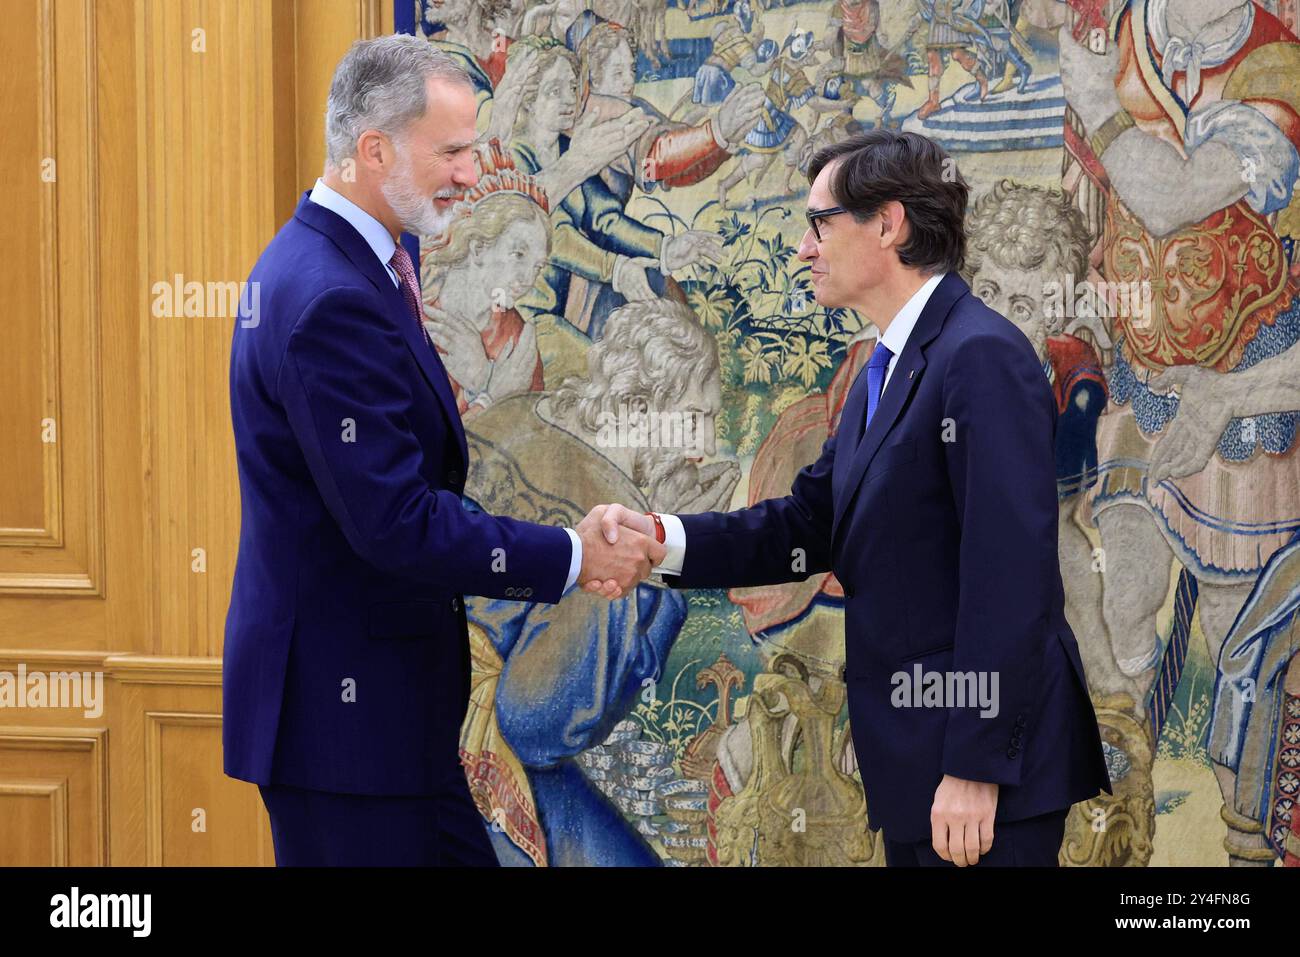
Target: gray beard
{"type": "Point", "coordinates": [426, 221]}
{"type": "Point", "coordinates": [417, 214]}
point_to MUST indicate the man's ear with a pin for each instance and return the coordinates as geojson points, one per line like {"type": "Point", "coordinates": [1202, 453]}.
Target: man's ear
{"type": "Point", "coordinates": [894, 228]}
{"type": "Point", "coordinates": [375, 151]}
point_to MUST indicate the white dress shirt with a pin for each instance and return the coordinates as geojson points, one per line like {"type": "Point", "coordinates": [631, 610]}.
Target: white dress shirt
{"type": "Point", "coordinates": [379, 239]}
{"type": "Point", "coordinates": [900, 330]}
{"type": "Point", "coordinates": [894, 339]}
{"type": "Point", "coordinates": [374, 232]}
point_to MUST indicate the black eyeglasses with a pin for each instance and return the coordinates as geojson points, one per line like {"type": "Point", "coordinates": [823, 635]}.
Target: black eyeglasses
{"type": "Point", "coordinates": [816, 214]}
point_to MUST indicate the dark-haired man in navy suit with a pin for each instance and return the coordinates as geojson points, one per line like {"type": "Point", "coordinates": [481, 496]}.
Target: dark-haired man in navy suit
{"type": "Point", "coordinates": [935, 506]}
{"type": "Point", "coordinates": [347, 669]}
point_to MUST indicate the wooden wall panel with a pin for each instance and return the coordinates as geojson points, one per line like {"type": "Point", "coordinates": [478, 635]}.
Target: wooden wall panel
{"type": "Point", "coordinates": [206, 125]}
{"type": "Point", "coordinates": [53, 796]}
{"type": "Point", "coordinates": [192, 816]}
{"type": "Point", "coordinates": [34, 822]}
{"type": "Point", "coordinates": [166, 716]}
{"type": "Point", "coordinates": [51, 538]}
{"type": "Point", "coordinates": [26, 105]}
{"type": "Point", "coordinates": [323, 31]}
{"type": "Point", "coordinates": [55, 586]}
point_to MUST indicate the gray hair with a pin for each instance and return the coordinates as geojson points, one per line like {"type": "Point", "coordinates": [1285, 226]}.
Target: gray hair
{"type": "Point", "coordinates": [379, 85]}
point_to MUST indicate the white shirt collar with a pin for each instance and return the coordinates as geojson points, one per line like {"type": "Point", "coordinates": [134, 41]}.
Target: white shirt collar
{"type": "Point", "coordinates": [374, 232]}
{"type": "Point", "coordinates": [895, 337]}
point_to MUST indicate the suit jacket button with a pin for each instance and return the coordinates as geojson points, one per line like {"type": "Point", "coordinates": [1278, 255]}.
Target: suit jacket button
{"type": "Point", "coordinates": [1012, 752]}
{"type": "Point", "coordinates": [528, 593]}
{"type": "Point", "coordinates": [510, 593]}
{"type": "Point", "coordinates": [455, 604]}
{"type": "Point", "coordinates": [1020, 721]}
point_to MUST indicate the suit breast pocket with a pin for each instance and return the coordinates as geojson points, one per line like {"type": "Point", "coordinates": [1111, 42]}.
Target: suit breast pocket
{"type": "Point", "coordinates": [406, 619]}
{"type": "Point", "coordinates": [892, 456]}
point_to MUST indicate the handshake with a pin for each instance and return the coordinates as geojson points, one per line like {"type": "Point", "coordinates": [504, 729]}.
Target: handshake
{"type": "Point", "coordinates": [619, 550]}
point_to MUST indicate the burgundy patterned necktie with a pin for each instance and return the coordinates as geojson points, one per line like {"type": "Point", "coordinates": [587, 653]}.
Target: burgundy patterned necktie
{"type": "Point", "coordinates": [405, 269]}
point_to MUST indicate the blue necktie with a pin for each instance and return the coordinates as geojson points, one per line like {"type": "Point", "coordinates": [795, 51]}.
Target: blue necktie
{"type": "Point", "coordinates": [876, 367]}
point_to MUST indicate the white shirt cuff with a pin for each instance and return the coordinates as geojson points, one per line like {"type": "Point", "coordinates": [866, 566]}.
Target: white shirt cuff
{"type": "Point", "coordinates": [675, 542]}
{"type": "Point", "coordinates": [575, 561]}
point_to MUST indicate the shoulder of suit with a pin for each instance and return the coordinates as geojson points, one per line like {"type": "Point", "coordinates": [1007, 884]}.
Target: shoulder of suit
{"type": "Point", "coordinates": [309, 263]}
{"type": "Point", "coordinates": [971, 318]}
{"type": "Point", "coordinates": [973, 328]}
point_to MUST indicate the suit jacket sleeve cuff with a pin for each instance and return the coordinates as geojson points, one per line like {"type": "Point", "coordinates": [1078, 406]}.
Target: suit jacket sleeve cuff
{"type": "Point", "coordinates": [575, 559]}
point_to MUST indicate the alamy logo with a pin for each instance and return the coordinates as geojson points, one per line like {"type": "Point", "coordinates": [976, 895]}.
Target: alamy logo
{"type": "Point", "coordinates": [650, 429]}
{"type": "Point", "coordinates": [207, 300]}
{"type": "Point", "coordinates": [946, 689]}
{"type": "Point", "coordinates": [56, 689]}
{"type": "Point", "coordinates": [134, 911]}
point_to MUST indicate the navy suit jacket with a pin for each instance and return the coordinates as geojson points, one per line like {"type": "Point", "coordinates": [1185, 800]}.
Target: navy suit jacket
{"type": "Point", "coordinates": [941, 525]}
{"type": "Point", "coordinates": [346, 651]}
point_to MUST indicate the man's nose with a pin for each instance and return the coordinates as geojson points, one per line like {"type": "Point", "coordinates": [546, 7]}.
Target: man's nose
{"type": "Point", "coordinates": [466, 174]}
{"type": "Point", "coordinates": [808, 246]}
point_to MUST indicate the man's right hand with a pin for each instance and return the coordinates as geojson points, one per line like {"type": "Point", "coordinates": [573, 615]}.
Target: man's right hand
{"type": "Point", "coordinates": [613, 516]}
{"type": "Point", "coordinates": [612, 564]}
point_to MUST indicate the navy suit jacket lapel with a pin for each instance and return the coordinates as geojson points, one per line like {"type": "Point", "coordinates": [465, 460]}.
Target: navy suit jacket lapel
{"type": "Point", "coordinates": [906, 374]}
{"type": "Point", "coordinates": [363, 257]}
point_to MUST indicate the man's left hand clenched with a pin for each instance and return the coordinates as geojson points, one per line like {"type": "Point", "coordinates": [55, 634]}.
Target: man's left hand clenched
{"type": "Point", "coordinates": [961, 819]}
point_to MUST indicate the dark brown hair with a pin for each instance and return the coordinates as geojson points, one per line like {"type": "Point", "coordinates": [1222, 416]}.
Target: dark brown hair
{"type": "Point", "coordinates": [879, 165]}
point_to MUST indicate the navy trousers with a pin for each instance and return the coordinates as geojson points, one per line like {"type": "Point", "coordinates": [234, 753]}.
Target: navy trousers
{"type": "Point", "coordinates": [325, 829]}
{"type": "Point", "coordinates": [1031, 842]}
